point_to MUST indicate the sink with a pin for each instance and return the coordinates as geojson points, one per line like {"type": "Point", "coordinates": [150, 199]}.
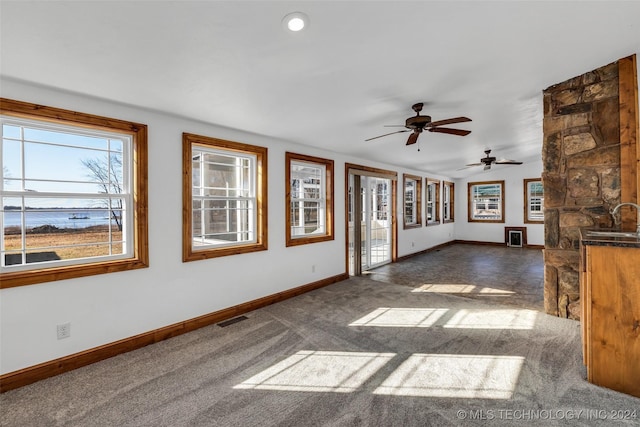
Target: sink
{"type": "Point", "coordinates": [612, 234]}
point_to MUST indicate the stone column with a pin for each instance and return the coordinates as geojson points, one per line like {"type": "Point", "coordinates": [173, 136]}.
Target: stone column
{"type": "Point", "coordinates": [581, 176]}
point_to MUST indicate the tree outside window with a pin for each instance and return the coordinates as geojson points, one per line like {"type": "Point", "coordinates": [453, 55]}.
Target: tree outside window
{"type": "Point", "coordinates": [74, 194]}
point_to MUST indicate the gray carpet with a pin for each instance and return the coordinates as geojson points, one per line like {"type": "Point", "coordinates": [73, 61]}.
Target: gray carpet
{"type": "Point", "coordinates": [356, 353]}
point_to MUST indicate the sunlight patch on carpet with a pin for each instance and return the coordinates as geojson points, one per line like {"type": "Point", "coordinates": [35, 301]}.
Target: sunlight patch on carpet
{"type": "Point", "coordinates": [401, 317]}
{"type": "Point", "coordinates": [455, 288]}
{"type": "Point", "coordinates": [492, 319]}
{"type": "Point", "coordinates": [319, 371]}
{"type": "Point", "coordinates": [455, 376]}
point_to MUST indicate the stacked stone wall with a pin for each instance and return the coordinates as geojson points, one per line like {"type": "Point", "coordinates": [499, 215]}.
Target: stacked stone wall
{"type": "Point", "coordinates": [581, 176]}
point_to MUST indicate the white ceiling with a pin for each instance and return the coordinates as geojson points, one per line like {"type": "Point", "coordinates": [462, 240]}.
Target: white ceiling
{"type": "Point", "coordinates": [360, 65]}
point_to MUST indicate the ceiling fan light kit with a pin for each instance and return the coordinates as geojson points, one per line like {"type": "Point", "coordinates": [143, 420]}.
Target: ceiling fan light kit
{"type": "Point", "coordinates": [417, 124]}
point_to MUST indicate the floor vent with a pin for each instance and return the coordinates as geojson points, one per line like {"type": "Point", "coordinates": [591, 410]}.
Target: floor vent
{"type": "Point", "coordinates": [232, 321]}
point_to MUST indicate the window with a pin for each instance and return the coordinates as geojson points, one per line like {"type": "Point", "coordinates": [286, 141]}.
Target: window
{"type": "Point", "coordinates": [433, 201]}
{"type": "Point", "coordinates": [224, 198]}
{"type": "Point", "coordinates": [309, 199]}
{"type": "Point", "coordinates": [412, 201]}
{"type": "Point", "coordinates": [486, 201]}
{"type": "Point", "coordinates": [533, 201]}
{"type": "Point", "coordinates": [448, 197]}
{"type": "Point", "coordinates": [74, 194]}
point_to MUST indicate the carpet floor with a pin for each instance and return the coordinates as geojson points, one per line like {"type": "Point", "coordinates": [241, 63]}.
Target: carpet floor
{"type": "Point", "coordinates": [362, 352]}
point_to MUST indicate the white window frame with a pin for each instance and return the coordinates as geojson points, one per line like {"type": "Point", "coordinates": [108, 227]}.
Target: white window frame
{"type": "Point", "coordinates": [495, 203]}
{"type": "Point", "coordinates": [23, 193]}
{"type": "Point", "coordinates": [298, 195]}
{"type": "Point", "coordinates": [448, 196]}
{"type": "Point", "coordinates": [531, 200]}
{"type": "Point", "coordinates": [432, 193]}
{"type": "Point", "coordinates": [244, 224]}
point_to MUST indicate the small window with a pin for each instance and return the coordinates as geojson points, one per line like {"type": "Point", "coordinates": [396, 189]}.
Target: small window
{"type": "Point", "coordinates": [486, 201]}
{"type": "Point", "coordinates": [309, 199]}
{"type": "Point", "coordinates": [412, 201]}
{"type": "Point", "coordinates": [533, 201]}
{"type": "Point", "coordinates": [433, 201]}
{"type": "Point", "coordinates": [224, 197]}
{"type": "Point", "coordinates": [448, 197]}
{"type": "Point", "coordinates": [74, 194]}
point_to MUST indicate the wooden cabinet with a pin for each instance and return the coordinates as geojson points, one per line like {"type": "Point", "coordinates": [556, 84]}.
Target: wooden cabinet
{"type": "Point", "coordinates": [610, 295]}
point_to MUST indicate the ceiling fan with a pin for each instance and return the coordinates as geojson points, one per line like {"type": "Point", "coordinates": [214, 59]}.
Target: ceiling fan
{"type": "Point", "coordinates": [418, 123]}
{"type": "Point", "coordinates": [488, 160]}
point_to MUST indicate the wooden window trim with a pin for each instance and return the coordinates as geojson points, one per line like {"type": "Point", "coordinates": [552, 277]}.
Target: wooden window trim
{"type": "Point", "coordinates": [138, 134]}
{"type": "Point", "coordinates": [417, 201]}
{"type": "Point", "coordinates": [188, 254]}
{"type": "Point", "coordinates": [329, 200]}
{"type": "Point", "coordinates": [526, 201]}
{"type": "Point", "coordinates": [436, 206]}
{"type": "Point", "coordinates": [452, 198]}
{"type": "Point", "coordinates": [502, 199]}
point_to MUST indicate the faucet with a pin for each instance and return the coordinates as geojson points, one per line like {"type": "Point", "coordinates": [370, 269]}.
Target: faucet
{"type": "Point", "coordinates": [613, 212]}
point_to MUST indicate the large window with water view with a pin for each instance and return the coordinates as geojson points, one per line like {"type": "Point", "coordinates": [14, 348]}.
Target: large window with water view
{"type": "Point", "coordinates": [67, 195]}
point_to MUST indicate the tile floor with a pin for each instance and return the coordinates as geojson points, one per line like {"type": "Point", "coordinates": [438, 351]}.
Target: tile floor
{"type": "Point", "coordinates": [500, 274]}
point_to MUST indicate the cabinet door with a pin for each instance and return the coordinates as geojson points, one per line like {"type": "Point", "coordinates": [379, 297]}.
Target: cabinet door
{"type": "Point", "coordinates": [614, 320]}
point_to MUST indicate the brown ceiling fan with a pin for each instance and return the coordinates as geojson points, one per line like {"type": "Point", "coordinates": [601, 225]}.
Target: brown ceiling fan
{"type": "Point", "coordinates": [488, 160]}
{"type": "Point", "coordinates": [418, 123]}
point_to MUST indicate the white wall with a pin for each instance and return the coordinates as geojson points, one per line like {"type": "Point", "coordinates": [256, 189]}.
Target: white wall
{"type": "Point", "coordinates": [514, 204]}
{"type": "Point", "coordinates": [110, 307]}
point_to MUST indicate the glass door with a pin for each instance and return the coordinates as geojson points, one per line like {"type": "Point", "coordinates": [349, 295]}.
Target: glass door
{"type": "Point", "coordinates": [370, 242]}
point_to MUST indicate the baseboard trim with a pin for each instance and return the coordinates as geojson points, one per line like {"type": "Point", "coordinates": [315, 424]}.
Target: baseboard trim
{"type": "Point", "coordinates": [474, 242]}
{"type": "Point", "coordinates": [22, 377]}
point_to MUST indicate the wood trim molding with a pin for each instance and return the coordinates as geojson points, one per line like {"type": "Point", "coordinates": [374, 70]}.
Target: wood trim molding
{"type": "Point", "coordinates": [139, 136]}
{"type": "Point", "coordinates": [329, 199]}
{"type": "Point", "coordinates": [629, 140]}
{"type": "Point", "coordinates": [417, 200]}
{"type": "Point", "coordinates": [22, 377]}
{"type": "Point", "coordinates": [475, 242]}
{"type": "Point", "coordinates": [350, 168]}
{"type": "Point", "coordinates": [188, 142]}
{"type": "Point", "coordinates": [470, 202]}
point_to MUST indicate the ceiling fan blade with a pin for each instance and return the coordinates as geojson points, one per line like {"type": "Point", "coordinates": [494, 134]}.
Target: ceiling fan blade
{"type": "Point", "coordinates": [459, 132]}
{"type": "Point", "coordinates": [475, 164]}
{"type": "Point", "coordinates": [387, 134]}
{"type": "Point", "coordinates": [413, 138]}
{"type": "Point", "coordinates": [395, 126]}
{"type": "Point", "coordinates": [449, 121]}
{"type": "Point", "coordinates": [507, 162]}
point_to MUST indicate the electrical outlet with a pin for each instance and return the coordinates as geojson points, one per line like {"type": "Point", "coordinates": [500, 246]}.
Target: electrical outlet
{"type": "Point", "coordinates": [64, 330]}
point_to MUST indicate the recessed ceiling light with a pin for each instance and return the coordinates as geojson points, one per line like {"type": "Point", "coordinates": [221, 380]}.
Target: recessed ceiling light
{"type": "Point", "coordinates": [295, 21]}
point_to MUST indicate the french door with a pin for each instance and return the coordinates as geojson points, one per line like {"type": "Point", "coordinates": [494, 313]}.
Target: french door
{"type": "Point", "coordinates": [371, 221]}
